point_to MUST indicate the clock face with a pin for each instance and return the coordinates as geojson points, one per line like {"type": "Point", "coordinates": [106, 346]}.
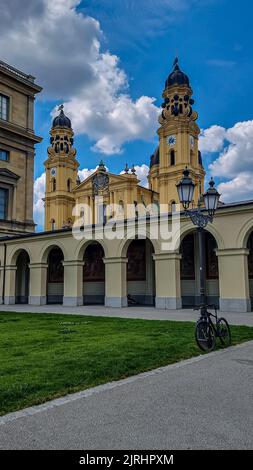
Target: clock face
{"type": "Point", "coordinates": [53, 171]}
{"type": "Point", "coordinates": [191, 141]}
{"type": "Point", "coordinates": [172, 140]}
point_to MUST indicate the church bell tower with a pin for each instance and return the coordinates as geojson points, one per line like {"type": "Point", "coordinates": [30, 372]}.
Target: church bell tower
{"type": "Point", "coordinates": [61, 174]}
{"type": "Point", "coordinates": [178, 138]}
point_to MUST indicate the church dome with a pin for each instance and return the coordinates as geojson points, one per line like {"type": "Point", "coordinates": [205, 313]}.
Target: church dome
{"type": "Point", "coordinates": [62, 120]}
{"type": "Point", "coordinates": [177, 77]}
{"type": "Point", "coordinates": [155, 158]}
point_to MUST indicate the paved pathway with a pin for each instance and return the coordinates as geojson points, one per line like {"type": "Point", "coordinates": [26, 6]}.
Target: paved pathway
{"type": "Point", "coordinates": [148, 313]}
{"type": "Point", "coordinates": [202, 403]}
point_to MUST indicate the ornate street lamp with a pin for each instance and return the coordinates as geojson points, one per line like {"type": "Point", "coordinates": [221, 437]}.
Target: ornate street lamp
{"type": "Point", "coordinates": [185, 189]}
{"type": "Point", "coordinates": [211, 197]}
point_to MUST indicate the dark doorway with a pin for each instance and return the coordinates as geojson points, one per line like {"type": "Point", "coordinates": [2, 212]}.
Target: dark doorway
{"type": "Point", "coordinates": [55, 276]}
{"type": "Point", "coordinates": [22, 278]}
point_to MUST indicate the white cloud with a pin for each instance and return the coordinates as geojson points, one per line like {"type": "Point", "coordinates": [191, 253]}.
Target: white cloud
{"type": "Point", "coordinates": [212, 139]}
{"type": "Point", "coordinates": [239, 188]}
{"type": "Point", "coordinates": [85, 173]}
{"type": "Point", "coordinates": [237, 156]}
{"type": "Point", "coordinates": [53, 42]}
{"type": "Point", "coordinates": [235, 161]}
{"type": "Point", "coordinates": [62, 47]}
{"type": "Point", "coordinates": [39, 194]}
{"type": "Point", "coordinates": [114, 118]}
{"type": "Point", "coordinates": [142, 172]}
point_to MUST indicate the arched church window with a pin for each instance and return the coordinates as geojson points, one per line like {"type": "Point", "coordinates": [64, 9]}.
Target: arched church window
{"type": "Point", "coordinates": [69, 185]}
{"type": "Point", "coordinates": [53, 184]}
{"type": "Point", "coordinates": [52, 224]}
{"type": "Point", "coordinates": [172, 157]}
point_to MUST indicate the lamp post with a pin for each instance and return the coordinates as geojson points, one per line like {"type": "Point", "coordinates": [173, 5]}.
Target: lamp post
{"type": "Point", "coordinates": [211, 197]}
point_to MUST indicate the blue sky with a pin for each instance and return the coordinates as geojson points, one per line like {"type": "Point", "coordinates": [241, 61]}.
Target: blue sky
{"type": "Point", "coordinates": [95, 54]}
{"type": "Point", "coordinates": [213, 40]}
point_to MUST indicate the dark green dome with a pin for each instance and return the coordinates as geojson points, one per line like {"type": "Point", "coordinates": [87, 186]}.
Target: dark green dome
{"type": "Point", "coordinates": [177, 77]}
{"type": "Point", "coordinates": [62, 120]}
{"type": "Point", "coordinates": [155, 158]}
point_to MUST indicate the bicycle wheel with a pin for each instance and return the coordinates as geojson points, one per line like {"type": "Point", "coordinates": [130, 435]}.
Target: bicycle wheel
{"type": "Point", "coordinates": [205, 336]}
{"type": "Point", "coordinates": [223, 331]}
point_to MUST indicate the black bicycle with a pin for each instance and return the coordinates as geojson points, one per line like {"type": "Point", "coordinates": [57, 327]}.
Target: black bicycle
{"type": "Point", "coordinates": [206, 331]}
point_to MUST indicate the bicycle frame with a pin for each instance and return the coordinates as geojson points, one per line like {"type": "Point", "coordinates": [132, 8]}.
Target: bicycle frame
{"type": "Point", "coordinates": [205, 335]}
{"type": "Point", "coordinates": [207, 316]}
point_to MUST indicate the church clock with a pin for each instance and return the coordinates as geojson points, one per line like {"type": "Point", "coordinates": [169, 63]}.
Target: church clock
{"type": "Point", "coordinates": [172, 140]}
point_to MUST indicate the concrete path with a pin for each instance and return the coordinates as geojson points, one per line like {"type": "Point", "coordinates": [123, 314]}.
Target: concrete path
{"type": "Point", "coordinates": [148, 313]}
{"type": "Point", "coordinates": [202, 403]}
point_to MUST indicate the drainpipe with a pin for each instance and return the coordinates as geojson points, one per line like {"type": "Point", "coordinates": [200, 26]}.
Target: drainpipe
{"type": "Point", "coordinates": [4, 270]}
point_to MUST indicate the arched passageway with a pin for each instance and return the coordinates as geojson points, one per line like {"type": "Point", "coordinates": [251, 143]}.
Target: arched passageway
{"type": "Point", "coordinates": [94, 275]}
{"type": "Point", "coordinates": [190, 281]}
{"type": "Point", "coordinates": [55, 276]}
{"type": "Point", "coordinates": [140, 273]}
{"type": "Point", "coordinates": [22, 278]}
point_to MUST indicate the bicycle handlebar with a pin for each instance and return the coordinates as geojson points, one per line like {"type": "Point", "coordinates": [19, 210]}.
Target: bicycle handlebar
{"type": "Point", "coordinates": [206, 306]}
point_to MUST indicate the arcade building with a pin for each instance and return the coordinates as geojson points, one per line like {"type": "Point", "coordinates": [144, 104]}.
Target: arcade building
{"type": "Point", "coordinates": [52, 266]}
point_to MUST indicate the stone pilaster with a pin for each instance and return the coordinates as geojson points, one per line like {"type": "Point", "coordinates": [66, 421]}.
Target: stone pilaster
{"type": "Point", "coordinates": [10, 285]}
{"type": "Point", "coordinates": [168, 284]}
{"type": "Point", "coordinates": [115, 282]}
{"type": "Point", "coordinates": [73, 283]}
{"type": "Point", "coordinates": [38, 284]}
{"type": "Point", "coordinates": [234, 280]}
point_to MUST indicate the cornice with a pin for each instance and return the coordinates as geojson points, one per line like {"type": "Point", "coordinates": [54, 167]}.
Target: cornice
{"type": "Point", "coordinates": [19, 130]}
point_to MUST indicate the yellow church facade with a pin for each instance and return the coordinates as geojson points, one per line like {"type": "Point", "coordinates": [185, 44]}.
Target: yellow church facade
{"type": "Point", "coordinates": [103, 244]}
{"type": "Point", "coordinates": [178, 147]}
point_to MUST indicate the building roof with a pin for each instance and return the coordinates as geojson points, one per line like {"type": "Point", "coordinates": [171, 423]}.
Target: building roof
{"type": "Point", "coordinates": [155, 158]}
{"type": "Point", "coordinates": [177, 77]}
{"type": "Point", "coordinates": [61, 120]}
{"type": "Point", "coordinates": [22, 77]}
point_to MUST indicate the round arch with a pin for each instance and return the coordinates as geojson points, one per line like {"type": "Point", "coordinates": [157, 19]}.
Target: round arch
{"type": "Point", "coordinates": [83, 245]}
{"type": "Point", "coordinates": [189, 227]}
{"type": "Point", "coordinates": [45, 250]}
{"type": "Point", "coordinates": [13, 256]}
{"type": "Point", "coordinates": [124, 244]}
{"type": "Point", "coordinates": [244, 233]}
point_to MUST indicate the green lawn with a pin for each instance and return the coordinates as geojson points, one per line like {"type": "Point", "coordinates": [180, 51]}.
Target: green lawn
{"type": "Point", "coordinates": [43, 356]}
